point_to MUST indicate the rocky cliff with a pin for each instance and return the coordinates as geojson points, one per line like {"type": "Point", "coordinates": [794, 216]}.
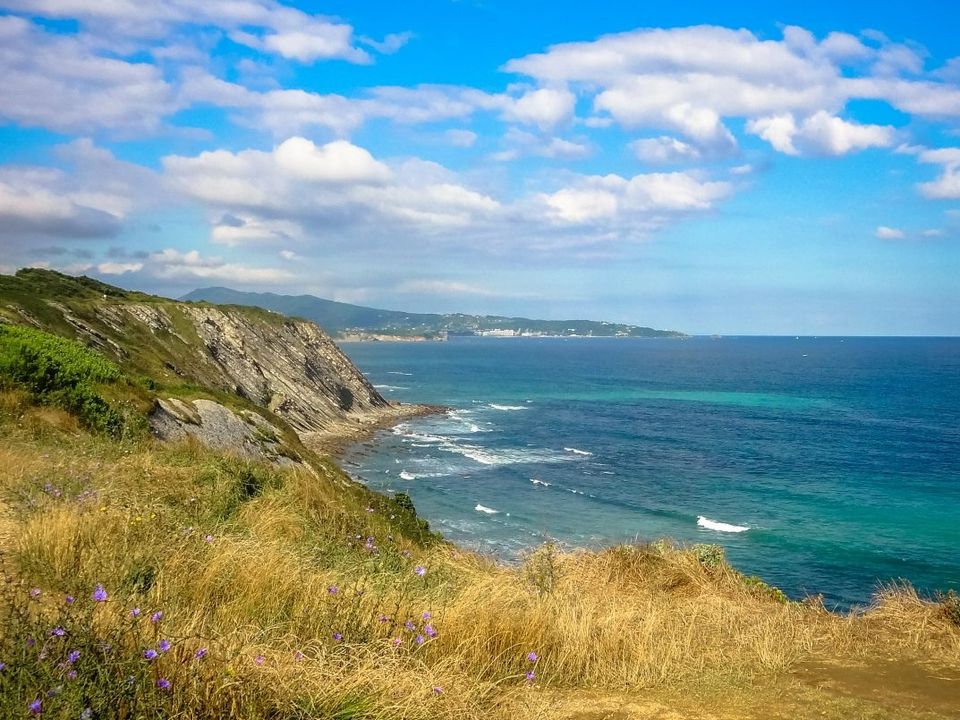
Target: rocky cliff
{"type": "Point", "coordinates": [289, 367]}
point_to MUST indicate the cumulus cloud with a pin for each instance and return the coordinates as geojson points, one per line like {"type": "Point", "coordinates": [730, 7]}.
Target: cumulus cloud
{"type": "Point", "coordinates": [264, 25]}
{"type": "Point", "coordinates": [650, 197]}
{"type": "Point", "coordinates": [520, 143]}
{"type": "Point", "coordinates": [947, 186]}
{"type": "Point", "coordinates": [57, 82]}
{"type": "Point", "coordinates": [821, 134]}
{"type": "Point", "coordinates": [170, 264]}
{"type": "Point", "coordinates": [544, 108]}
{"type": "Point", "coordinates": [888, 233]}
{"type": "Point", "coordinates": [664, 150]}
{"type": "Point", "coordinates": [790, 91]}
{"type": "Point", "coordinates": [90, 197]}
{"type": "Point", "coordinates": [258, 195]}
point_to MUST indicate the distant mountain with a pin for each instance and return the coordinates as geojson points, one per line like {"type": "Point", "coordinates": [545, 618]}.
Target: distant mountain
{"type": "Point", "coordinates": [348, 320]}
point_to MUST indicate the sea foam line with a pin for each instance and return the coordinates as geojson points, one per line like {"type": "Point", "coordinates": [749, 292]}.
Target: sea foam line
{"type": "Point", "coordinates": [720, 526]}
{"type": "Point", "coordinates": [485, 509]}
{"type": "Point", "coordinates": [576, 451]}
{"type": "Point", "coordinates": [508, 408]}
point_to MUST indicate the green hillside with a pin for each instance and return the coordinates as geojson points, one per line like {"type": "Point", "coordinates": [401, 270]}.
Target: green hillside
{"type": "Point", "coordinates": [338, 317]}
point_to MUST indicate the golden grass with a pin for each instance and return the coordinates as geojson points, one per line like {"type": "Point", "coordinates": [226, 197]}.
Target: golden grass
{"type": "Point", "coordinates": [137, 518]}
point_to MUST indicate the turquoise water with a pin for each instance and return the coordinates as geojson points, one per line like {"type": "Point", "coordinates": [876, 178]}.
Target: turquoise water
{"type": "Point", "coordinates": [841, 455]}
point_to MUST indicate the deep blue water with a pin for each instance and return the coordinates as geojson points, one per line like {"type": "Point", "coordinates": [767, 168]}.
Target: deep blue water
{"type": "Point", "coordinates": [841, 455]}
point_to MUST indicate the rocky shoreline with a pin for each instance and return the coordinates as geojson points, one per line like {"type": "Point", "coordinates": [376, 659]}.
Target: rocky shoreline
{"type": "Point", "coordinates": [337, 436]}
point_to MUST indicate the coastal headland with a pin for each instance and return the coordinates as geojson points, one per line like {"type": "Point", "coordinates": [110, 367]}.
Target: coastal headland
{"type": "Point", "coordinates": [176, 541]}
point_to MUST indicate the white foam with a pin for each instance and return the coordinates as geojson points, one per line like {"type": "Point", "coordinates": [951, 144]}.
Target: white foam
{"type": "Point", "coordinates": [575, 451]}
{"type": "Point", "coordinates": [391, 387]}
{"type": "Point", "coordinates": [485, 509]}
{"type": "Point", "coordinates": [719, 526]}
{"type": "Point", "coordinates": [508, 408]}
{"type": "Point", "coordinates": [407, 475]}
{"type": "Point", "coordinates": [397, 372]}
{"type": "Point", "coordinates": [539, 482]}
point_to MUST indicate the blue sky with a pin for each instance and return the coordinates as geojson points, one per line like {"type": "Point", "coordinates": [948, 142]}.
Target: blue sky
{"type": "Point", "coordinates": [710, 167]}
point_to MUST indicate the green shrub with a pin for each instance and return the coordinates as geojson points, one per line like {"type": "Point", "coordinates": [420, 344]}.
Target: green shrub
{"type": "Point", "coordinates": [950, 606]}
{"type": "Point", "coordinates": [710, 556]}
{"type": "Point", "coordinates": [59, 372]}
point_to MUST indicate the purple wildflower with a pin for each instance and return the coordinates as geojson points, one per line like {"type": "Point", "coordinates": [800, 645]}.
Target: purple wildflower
{"type": "Point", "coordinates": [72, 675]}
{"type": "Point", "coordinates": [419, 639]}
{"type": "Point", "coordinates": [427, 615]}
{"type": "Point", "coordinates": [200, 654]}
{"type": "Point", "coordinates": [530, 675]}
{"type": "Point", "coordinates": [34, 593]}
{"type": "Point", "coordinates": [208, 538]}
{"type": "Point", "coordinates": [333, 590]}
{"type": "Point", "coordinates": [135, 613]}
{"type": "Point", "coordinates": [99, 594]}
{"type": "Point", "coordinates": [383, 619]}
{"type": "Point", "coordinates": [532, 656]}
{"type": "Point", "coordinates": [155, 618]}
{"type": "Point", "coordinates": [150, 654]}
{"type": "Point", "coordinates": [163, 684]}
{"type": "Point", "coordinates": [163, 645]}
{"type": "Point", "coordinates": [437, 689]}
{"type": "Point", "coordinates": [397, 642]}
{"type": "Point", "coordinates": [337, 636]}
{"type": "Point", "coordinates": [3, 666]}
{"type": "Point", "coordinates": [69, 599]}
{"type": "Point", "coordinates": [36, 707]}
{"type": "Point", "coordinates": [430, 631]}
{"type": "Point", "coordinates": [409, 625]}
{"type": "Point", "coordinates": [73, 656]}
{"type": "Point", "coordinates": [259, 660]}
{"type": "Point", "coordinates": [58, 631]}
{"type": "Point", "coordinates": [298, 656]}
{"type": "Point", "coordinates": [420, 571]}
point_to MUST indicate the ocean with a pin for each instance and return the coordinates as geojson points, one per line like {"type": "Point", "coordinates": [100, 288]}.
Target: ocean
{"type": "Point", "coordinates": [823, 465]}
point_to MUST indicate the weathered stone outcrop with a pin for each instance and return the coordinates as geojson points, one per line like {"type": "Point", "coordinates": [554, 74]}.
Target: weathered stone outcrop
{"type": "Point", "coordinates": [289, 366]}
{"type": "Point", "coordinates": [242, 433]}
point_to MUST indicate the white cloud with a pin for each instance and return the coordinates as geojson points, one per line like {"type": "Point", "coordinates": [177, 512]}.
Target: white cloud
{"type": "Point", "coordinates": [461, 138]}
{"type": "Point", "coordinates": [544, 108]}
{"type": "Point", "coordinates": [821, 134]}
{"type": "Point", "coordinates": [647, 197]}
{"type": "Point", "coordinates": [171, 264]}
{"type": "Point", "coordinates": [521, 144]}
{"type": "Point", "coordinates": [324, 188]}
{"type": "Point", "coordinates": [264, 25]}
{"type": "Point", "coordinates": [56, 81]}
{"type": "Point", "coordinates": [664, 150]}
{"type": "Point", "coordinates": [888, 233]}
{"type": "Point", "coordinates": [947, 186]}
{"type": "Point", "coordinates": [390, 44]}
{"type": "Point", "coordinates": [335, 162]}
{"type": "Point", "coordinates": [90, 199]}
{"type": "Point", "coordinates": [932, 233]}
{"type": "Point", "coordinates": [119, 268]}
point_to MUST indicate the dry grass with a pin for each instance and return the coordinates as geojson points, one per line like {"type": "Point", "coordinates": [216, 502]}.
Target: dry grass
{"type": "Point", "coordinates": [137, 519]}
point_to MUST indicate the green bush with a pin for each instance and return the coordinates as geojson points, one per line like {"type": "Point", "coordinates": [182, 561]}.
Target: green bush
{"type": "Point", "coordinates": [950, 606]}
{"type": "Point", "coordinates": [59, 372]}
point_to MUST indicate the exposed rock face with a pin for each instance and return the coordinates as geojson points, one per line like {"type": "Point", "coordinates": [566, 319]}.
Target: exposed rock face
{"type": "Point", "coordinates": [244, 433]}
{"type": "Point", "coordinates": [289, 366]}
